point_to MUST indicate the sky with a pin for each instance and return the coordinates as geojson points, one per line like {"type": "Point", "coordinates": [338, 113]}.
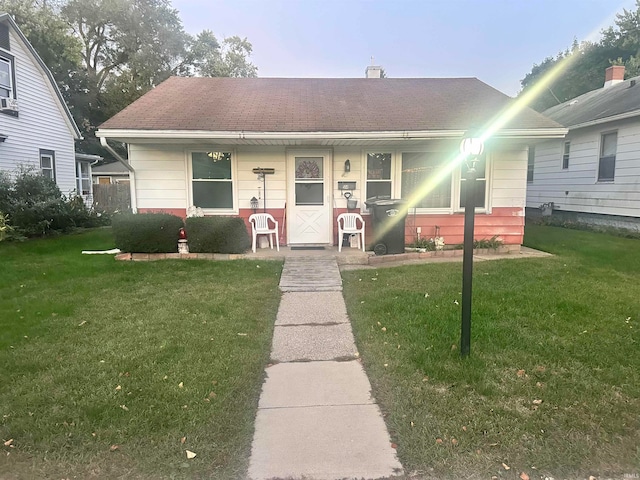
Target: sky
{"type": "Point", "coordinates": [497, 41]}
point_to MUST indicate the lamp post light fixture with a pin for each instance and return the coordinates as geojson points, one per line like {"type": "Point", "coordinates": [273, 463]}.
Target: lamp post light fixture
{"type": "Point", "coordinates": [471, 148]}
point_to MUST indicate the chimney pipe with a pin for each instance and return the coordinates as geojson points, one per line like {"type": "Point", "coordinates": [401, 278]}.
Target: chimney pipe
{"type": "Point", "coordinates": [613, 75]}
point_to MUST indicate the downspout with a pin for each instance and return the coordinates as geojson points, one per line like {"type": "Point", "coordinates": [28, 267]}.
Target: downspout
{"type": "Point", "coordinates": [132, 173]}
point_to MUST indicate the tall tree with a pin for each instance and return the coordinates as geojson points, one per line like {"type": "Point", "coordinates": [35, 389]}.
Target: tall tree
{"type": "Point", "coordinates": [209, 58]}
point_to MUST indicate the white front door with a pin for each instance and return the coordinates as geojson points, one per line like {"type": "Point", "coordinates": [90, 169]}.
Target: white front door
{"type": "Point", "coordinates": [309, 197]}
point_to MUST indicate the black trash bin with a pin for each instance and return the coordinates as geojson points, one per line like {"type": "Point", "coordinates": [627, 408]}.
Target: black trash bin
{"type": "Point", "coordinates": [388, 216]}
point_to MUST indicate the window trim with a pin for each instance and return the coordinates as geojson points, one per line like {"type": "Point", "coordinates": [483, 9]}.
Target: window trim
{"type": "Point", "coordinates": [488, 175]}
{"type": "Point", "coordinates": [10, 59]}
{"type": "Point", "coordinates": [396, 179]}
{"type": "Point", "coordinates": [531, 163]}
{"type": "Point", "coordinates": [234, 179]}
{"type": "Point", "coordinates": [392, 172]}
{"type": "Point", "coordinates": [51, 154]}
{"type": "Point", "coordinates": [600, 157]}
{"type": "Point", "coordinates": [80, 178]}
{"type": "Point", "coordinates": [566, 154]}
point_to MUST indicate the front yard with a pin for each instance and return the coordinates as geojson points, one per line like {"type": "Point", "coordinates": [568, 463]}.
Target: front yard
{"type": "Point", "coordinates": [552, 387]}
{"type": "Point", "coordinates": [115, 369]}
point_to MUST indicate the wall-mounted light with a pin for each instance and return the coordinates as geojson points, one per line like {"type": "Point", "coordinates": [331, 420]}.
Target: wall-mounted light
{"type": "Point", "coordinates": [347, 166]}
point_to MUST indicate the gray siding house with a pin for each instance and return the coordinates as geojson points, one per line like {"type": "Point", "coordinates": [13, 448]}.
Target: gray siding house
{"type": "Point", "coordinates": [593, 174]}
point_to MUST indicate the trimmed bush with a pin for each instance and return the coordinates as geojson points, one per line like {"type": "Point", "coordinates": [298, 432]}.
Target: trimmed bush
{"type": "Point", "coordinates": [146, 232]}
{"type": "Point", "coordinates": [217, 235]}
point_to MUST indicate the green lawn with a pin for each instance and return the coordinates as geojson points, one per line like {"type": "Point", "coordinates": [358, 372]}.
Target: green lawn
{"type": "Point", "coordinates": [106, 366]}
{"type": "Point", "coordinates": [552, 386]}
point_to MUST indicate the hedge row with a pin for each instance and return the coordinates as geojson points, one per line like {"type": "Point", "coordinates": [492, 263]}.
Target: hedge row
{"type": "Point", "coordinates": [158, 233]}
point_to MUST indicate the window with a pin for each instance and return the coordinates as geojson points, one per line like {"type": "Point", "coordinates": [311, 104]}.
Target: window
{"type": "Point", "coordinates": [212, 184]}
{"type": "Point", "coordinates": [378, 174]}
{"type": "Point", "coordinates": [565, 155]}
{"type": "Point", "coordinates": [530, 163]}
{"type": "Point", "coordinates": [48, 164]}
{"type": "Point", "coordinates": [607, 163]}
{"type": "Point", "coordinates": [418, 169]}
{"type": "Point", "coordinates": [7, 77]}
{"type": "Point", "coordinates": [83, 178]}
{"type": "Point", "coordinates": [481, 183]}
{"type": "Point", "coordinates": [309, 180]}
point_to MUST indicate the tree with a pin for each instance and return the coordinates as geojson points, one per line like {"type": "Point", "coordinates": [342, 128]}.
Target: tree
{"type": "Point", "coordinates": [208, 58]}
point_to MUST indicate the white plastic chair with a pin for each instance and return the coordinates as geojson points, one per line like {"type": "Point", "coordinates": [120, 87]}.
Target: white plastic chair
{"type": "Point", "coordinates": [348, 223]}
{"type": "Point", "coordinates": [260, 226]}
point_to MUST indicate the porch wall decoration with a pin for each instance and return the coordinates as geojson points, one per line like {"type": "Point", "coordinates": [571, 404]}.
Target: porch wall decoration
{"type": "Point", "coordinates": [308, 169]}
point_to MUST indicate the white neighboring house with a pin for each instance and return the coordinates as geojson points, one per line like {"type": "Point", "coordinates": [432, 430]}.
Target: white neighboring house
{"type": "Point", "coordinates": [36, 127]}
{"type": "Point", "coordinates": [592, 175]}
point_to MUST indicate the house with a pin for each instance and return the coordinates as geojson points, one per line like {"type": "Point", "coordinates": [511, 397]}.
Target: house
{"type": "Point", "coordinates": [592, 175]}
{"type": "Point", "coordinates": [110, 173]}
{"type": "Point", "coordinates": [36, 127]}
{"type": "Point", "coordinates": [206, 142]}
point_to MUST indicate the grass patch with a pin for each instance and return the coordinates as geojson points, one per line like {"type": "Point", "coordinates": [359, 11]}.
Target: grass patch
{"type": "Point", "coordinates": [552, 386]}
{"type": "Point", "coordinates": [97, 353]}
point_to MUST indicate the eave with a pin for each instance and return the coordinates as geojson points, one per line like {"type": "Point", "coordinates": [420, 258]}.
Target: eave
{"type": "Point", "coordinates": [311, 138]}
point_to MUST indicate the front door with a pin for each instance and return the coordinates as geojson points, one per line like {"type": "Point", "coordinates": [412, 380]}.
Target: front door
{"type": "Point", "coordinates": [309, 197]}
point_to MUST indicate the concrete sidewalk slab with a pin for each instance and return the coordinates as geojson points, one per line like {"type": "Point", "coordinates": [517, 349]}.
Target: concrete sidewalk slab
{"type": "Point", "coordinates": [300, 343]}
{"type": "Point", "coordinates": [315, 384]}
{"type": "Point", "coordinates": [309, 274]}
{"type": "Point", "coordinates": [311, 307]}
{"type": "Point", "coordinates": [322, 443]}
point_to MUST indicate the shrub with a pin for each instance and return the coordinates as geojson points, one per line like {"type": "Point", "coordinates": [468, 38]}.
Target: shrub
{"type": "Point", "coordinates": [36, 207]}
{"type": "Point", "coordinates": [217, 235]}
{"type": "Point", "coordinates": [146, 232]}
{"type": "Point", "coordinates": [6, 230]}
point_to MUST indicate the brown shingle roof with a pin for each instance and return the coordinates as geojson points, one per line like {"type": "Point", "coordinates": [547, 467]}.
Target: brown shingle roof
{"type": "Point", "coordinates": [319, 105]}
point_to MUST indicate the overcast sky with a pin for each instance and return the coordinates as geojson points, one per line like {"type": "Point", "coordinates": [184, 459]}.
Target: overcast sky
{"type": "Point", "coordinates": [497, 41]}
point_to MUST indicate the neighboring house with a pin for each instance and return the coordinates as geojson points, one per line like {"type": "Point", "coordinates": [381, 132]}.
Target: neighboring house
{"type": "Point", "coordinates": [110, 173]}
{"type": "Point", "coordinates": [36, 127]}
{"type": "Point", "coordinates": [201, 141]}
{"type": "Point", "coordinates": [592, 175]}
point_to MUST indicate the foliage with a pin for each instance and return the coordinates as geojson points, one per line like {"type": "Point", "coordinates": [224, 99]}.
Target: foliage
{"type": "Point", "coordinates": [75, 327]}
{"type": "Point", "coordinates": [209, 58]}
{"type": "Point", "coordinates": [620, 44]}
{"type": "Point", "coordinates": [146, 232]}
{"type": "Point", "coordinates": [492, 243]}
{"type": "Point", "coordinates": [428, 244]}
{"type": "Point", "coordinates": [5, 229]}
{"type": "Point", "coordinates": [217, 235]}
{"type": "Point", "coordinates": [35, 206]}
{"type": "Point", "coordinates": [544, 331]}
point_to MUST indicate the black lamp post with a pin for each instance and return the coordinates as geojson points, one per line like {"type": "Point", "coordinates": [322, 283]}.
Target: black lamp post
{"type": "Point", "coordinates": [471, 148]}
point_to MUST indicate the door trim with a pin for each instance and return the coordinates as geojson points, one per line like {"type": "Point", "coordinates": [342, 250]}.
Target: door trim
{"type": "Point", "coordinates": [327, 154]}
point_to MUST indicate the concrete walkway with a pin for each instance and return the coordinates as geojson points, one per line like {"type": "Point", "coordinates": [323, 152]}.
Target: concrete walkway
{"type": "Point", "coordinates": [316, 418]}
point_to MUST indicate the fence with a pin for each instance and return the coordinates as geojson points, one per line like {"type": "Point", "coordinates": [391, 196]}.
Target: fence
{"type": "Point", "coordinates": [112, 197]}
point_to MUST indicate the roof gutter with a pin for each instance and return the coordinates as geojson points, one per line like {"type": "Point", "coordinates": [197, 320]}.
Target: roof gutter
{"type": "Point", "coordinates": [132, 173]}
{"type": "Point", "coordinates": [613, 118]}
{"type": "Point", "coordinates": [391, 135]}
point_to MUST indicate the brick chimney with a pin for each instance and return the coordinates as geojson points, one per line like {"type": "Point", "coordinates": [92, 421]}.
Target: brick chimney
{"type": "Point", "coordinates": [373, 71]}
{"type": "Point", "coordinates": [613, 75]}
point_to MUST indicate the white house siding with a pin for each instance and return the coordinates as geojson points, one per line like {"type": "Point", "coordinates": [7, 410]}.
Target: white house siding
{"type": "Point", "coordinates": [41, 123]}
{"type": "Point", "coordinates": [160, 176]}
{"type": "Point", "coordinates": [508, 178]}
{"type": "Point", "coordinates": [577, 189]}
